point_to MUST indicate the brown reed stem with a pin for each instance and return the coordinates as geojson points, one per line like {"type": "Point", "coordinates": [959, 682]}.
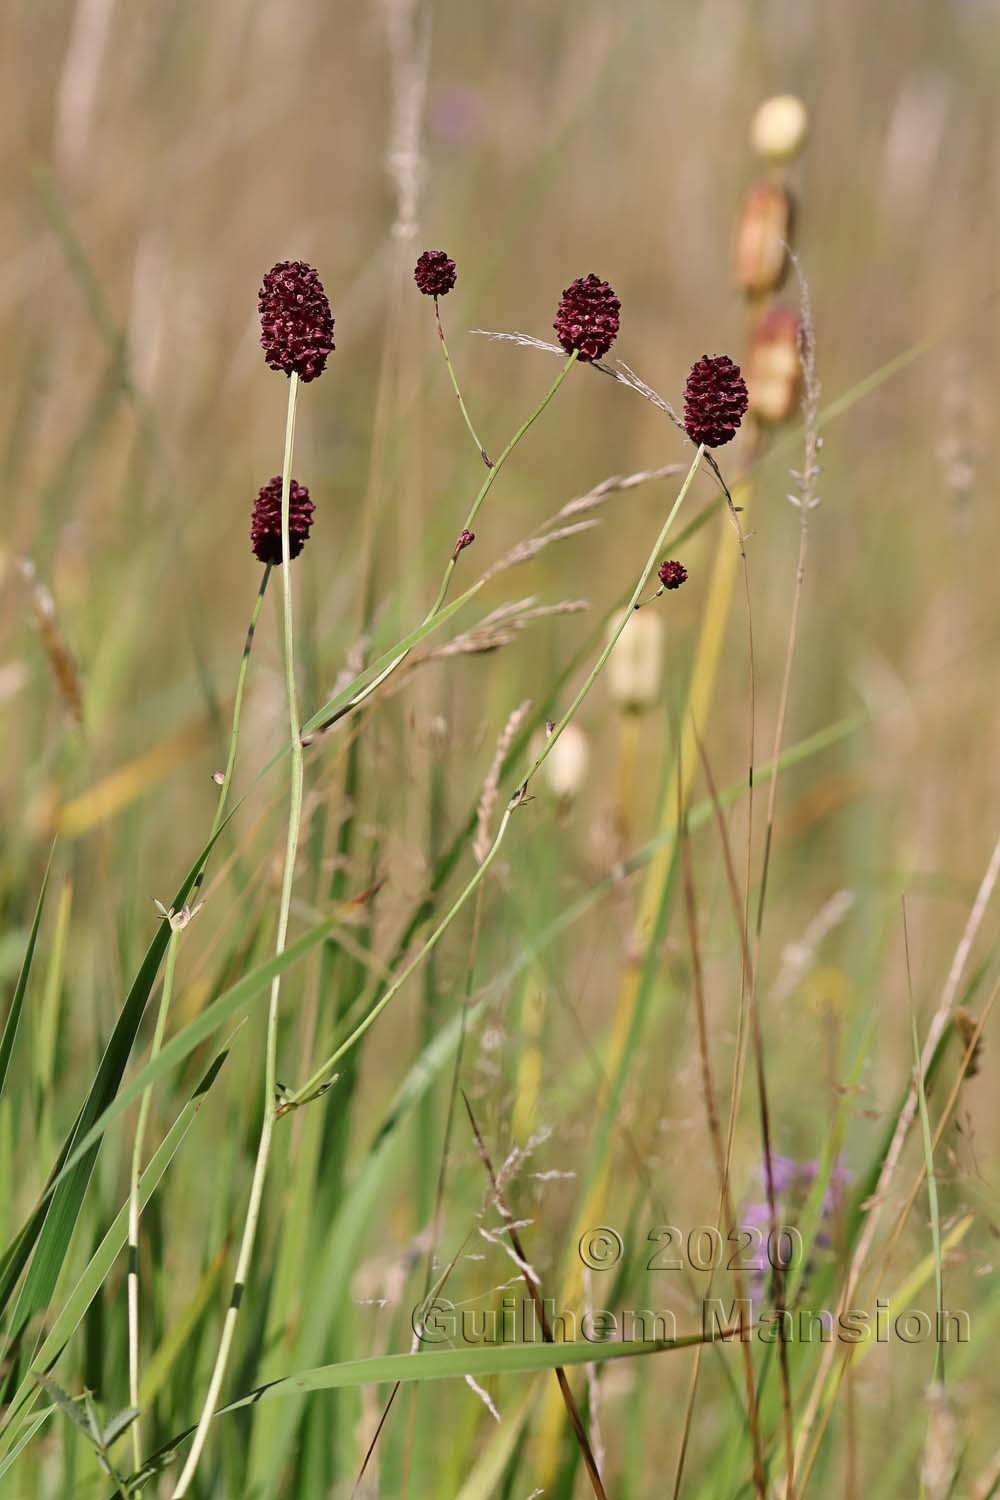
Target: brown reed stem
{"type": "Point", "coordinates": [572, 1410]}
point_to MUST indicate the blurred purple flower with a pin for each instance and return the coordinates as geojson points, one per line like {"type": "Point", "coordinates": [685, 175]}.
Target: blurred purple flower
{"type": "Point", "coordinates": [791, 1181]}
{"type": "Point", "coordinates": [456, 114]}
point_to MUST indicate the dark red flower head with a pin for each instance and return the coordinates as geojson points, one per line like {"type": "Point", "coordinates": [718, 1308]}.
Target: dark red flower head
{"type": "Point", "coordinates": [715, 401]}
{"type": "Point", "coordinates": [672, 574]}
{"type": "Point", "coordinates": [265, 525]}
{"type": "Point", "coordinates": [435, 273]}
{"type": "Point", "coordinates": [587, 318]}
{"type": "Point", "coordinates": [296, 324]}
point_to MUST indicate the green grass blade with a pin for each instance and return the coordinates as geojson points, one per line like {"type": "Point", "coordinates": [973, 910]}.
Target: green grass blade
{"type": "Point", "coordinates": [157, 1371]}
{"type": "Point", "coordinates": [52, 1223]}
{"type": "Point", "coordinates": [110, 1247]}
{"type": "Point", "coordinates": [342, 700]}
{"type": "Point", "coordinates": [30, 1432]}
{"type": "Point", "coordinates": [455, 1364]}
{"type": "Point", "coordinates": [492, 1462]}
{"type": "Point", "coordinates": [229, 1005]}
{"type": "Point", "coordinates": [17, 1003]}
{"type": "Point", "coordinates": [700, 815]}
{"type": "Point", "coordinates": [443, 1364]}
{"type": "Point", "coordinates": [932, 1196]}
{"type": "Point", "coordinates": [335, 1258]}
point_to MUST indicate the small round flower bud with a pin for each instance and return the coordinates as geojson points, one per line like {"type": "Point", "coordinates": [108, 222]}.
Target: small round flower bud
{"type": "Point", "coordinates": [265, 524]}
{"type": "Point", "coordinates": [587, 318]}
{"type": "Point", "coordinates": [779, 128]}
{"type": "Point", "coordinates": [715, 401]}
{"type": "Point", "coordinates": [464, 539]}
{"type": "Point", "coordinates": [762, 239]}
{"type": "Point", "coordinates": [774, 371]}
{"type": "Point", "coordinates": [567, 763]}
{"type": "Point", "coordinates": [672, 574]}
{"type": "Point", "coordinates": [296, 324]}
{"type": "Point", "coordinates": [435, 273]}
{"type": "Point", "coordinates": [636, 661]}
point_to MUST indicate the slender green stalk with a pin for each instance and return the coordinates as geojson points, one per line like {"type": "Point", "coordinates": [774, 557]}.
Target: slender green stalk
{"type": "Point", "coordinates": [178, 924]}
{"type": "Point", "coordinates": [644, 577]}
{"type": "Point", "coordinates": [271, 1045]}
{"type": "Point", "coordinates": [474, 510]}
{"type": "Point", "coordinates": [241, 682]}
{"type": "Point", "coordinates": [455, 387]}
{"type": "Point", "coordinates": [322, 1073]}
{"type": "Point", "coordinates": [490, 479]}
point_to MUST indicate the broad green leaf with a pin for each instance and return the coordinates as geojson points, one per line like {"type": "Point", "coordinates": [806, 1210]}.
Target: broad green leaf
{"type": "Point", "coordinates": [441, 1364]}
{"type": "Point", "coordinates": [455, 1364]}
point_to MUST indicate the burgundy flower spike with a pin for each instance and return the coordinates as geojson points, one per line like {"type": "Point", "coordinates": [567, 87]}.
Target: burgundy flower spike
{"type": "Point", "coordinates": [265, 525]}
{"type": "Point", "coordinates": [587, 318]}
{"type": "Point", "coordinates": [715, 401]}
{"type": "Point", "coordinates": [435, 273]}
{"type": "Point", "coordinates": [672, 574]}
{"type": "Point", "coordinates": [296, 324]}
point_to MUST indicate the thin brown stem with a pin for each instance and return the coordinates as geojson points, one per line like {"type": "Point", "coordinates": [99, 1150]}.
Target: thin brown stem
{"type": "Point", "coordinates": [725, 1212]}
{"type": "Point", "coordinates": [572, 1410]}
{"type": "Point", "coordinates": [753, 1016]}
{"type": "Point", "coordinates": [435, 1233]}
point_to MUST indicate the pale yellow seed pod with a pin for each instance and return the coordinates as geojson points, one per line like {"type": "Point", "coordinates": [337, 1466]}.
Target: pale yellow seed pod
{"type": "Point", "coordinates": [763, 234]}
{"type": "Point", "coordinates": [635, 664]}
{"type": "Point", "coordinates": [779, 128]}
{"type": "Point", "coordinates": [567, 763]}
{"type": "Point", "coordinates": [772, 367]}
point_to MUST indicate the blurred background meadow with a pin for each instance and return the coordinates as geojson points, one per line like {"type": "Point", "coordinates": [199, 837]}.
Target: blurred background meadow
{"type": "Point", "coordinates": [156, 161]}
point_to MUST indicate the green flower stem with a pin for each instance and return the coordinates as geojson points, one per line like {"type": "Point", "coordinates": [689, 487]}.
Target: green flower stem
{"type": "Point", "coordinates": [455, 387]}
{"type": "Point", "coordinates": [322, 1074]}
{"type": "Point", "coordinates": [271, 1046]}
{"type": "Point", "coordinates": [160, 1028]}
{"type": "Point", "coordinates": [644, 577]}
{"type": "Point", "coordinates": [241, 682]}
{"type": "Point", "coordinates": [490, 479]}
{"type": "Point", "coordinates": [477, 504]}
